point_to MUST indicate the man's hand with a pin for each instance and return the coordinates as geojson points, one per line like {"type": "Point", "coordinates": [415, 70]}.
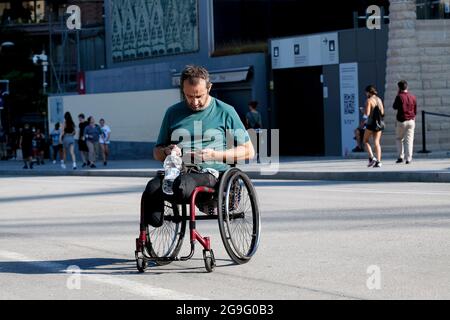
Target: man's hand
{"type": "Point", "coordinates": [207, 154]}
{"type": "Point", "coordinates": [173, 147]}
{"type": "Point", "coordinates": [200, 156]}
{"type": "Point", "coordinates": [160, 153]}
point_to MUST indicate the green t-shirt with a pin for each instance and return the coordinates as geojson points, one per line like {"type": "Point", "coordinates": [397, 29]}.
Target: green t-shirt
{"type": "Point", "coordinates": [210, 128]}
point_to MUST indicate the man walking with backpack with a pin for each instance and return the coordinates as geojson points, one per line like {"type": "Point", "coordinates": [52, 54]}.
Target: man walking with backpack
{"type": "Point", "coordinates": [406, 105]}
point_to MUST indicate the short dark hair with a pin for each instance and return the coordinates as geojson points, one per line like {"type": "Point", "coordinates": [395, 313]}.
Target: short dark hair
{"type": "Point", "coordinates": [193, 73]}
{"type": "Point", "coordinates": [402, 85]}
{"type": "Point", "coordinates": [81, 115]}
{"type": "Point", "coordinates": [253, 104]}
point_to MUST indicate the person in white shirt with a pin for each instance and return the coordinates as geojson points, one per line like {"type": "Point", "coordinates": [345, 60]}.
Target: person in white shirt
{"type": "Point", "coordinates": [105, 140]}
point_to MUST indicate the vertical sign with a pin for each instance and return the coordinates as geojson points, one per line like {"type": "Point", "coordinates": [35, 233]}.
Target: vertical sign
{"type": "Point", "coordinates": [348, 79]}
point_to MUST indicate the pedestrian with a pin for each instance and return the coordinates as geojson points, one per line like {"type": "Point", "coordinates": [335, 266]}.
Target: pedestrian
{"type": "Point", "coordinates": [104, 140]}
{"type": "Point", "coordinates": [33, 145]}
{"type": "Point", "coordinates": [373, 114]}
{"type": "Point", "coordinates": [197, 106]}
{"type": "Point", "coordinates": [57, 147]}
{"type": "Point", "coordinates": [3, 144]}
{"type": "Point", "coordinates": [38, 144]}
{"type": "Point", "coordinates": [13, 140]}
{"type": "Point", "coordinates": [358, 137]}
{"type": "Point", "coordinates": [67, 139]}
{"type": "Point", "coordinates": [406, 105]}
{"type": "Point", "coordinates": [92, 135]}
{"type": "Point", "coordinates": [253, 117]}
{"type": "Point", "coordinates": [26, 145]}
{"type": "Point", "coordinates": [82, 146]}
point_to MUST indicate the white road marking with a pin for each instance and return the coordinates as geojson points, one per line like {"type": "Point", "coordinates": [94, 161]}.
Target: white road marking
{"type": "Point", "coordinates": [358, 191]}
{"type": "Point", "coordinates": [139, 289]}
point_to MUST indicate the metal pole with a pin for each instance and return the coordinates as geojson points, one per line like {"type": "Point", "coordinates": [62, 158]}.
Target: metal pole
{"type": "Point", "coordinates": [355, 20]}
{"type": "Point", "coordinates": [424, 135]}
{"type": "Point", "coordinates": [78, 51]}
{"type": "Point", "coordinates": [43, 81]}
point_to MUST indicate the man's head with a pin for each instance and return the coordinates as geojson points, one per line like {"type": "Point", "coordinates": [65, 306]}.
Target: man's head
{"type": "Point", "coordinates": [253, 104]}
{"type": "Point", "coordinates": [102, 122]}
{"type": "Point", "coordinates": [402, 85]}
{"type": "Point", "coordinates": [195, 85]}
{"type": "Point", "coordinates": [81, 117]}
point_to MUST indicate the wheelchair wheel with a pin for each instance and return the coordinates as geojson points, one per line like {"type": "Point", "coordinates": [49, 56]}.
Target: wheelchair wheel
{"type": "Point", "coordinates": [239, 222]}
{"type": "Point", "coordinates": [166, 241]}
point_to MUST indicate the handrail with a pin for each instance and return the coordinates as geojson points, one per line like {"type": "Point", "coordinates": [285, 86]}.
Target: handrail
{"type": "Point", "coordinates": [424, 136]}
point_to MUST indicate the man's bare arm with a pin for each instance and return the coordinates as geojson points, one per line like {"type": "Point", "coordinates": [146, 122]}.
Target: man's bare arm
{"type": "Point", "coordinates": [239, 153]}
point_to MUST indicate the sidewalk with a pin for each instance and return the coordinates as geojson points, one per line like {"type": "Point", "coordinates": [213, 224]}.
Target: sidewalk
{"type": "Point", "coordinates": [422, 169]}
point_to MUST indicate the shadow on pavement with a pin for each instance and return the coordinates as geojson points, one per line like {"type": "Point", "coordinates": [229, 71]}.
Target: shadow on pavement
{"type": "Point", "coordinates": [73, 195]}
{"type": "Point", "coordinates": [87, 265]}
{"type": "Point", "coordinates": [97, 266]}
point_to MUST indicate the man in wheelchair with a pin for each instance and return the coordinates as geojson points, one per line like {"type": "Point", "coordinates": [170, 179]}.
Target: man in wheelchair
{"type": "Point", "coordinates": [198, 129]}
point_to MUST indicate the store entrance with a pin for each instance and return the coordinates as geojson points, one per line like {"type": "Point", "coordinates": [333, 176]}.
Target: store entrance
{"type": "Point", "coordinates": [300, 112]}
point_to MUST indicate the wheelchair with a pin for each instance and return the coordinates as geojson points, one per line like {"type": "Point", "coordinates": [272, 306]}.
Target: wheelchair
{"type": "Point", "coordinates": [232, 202]}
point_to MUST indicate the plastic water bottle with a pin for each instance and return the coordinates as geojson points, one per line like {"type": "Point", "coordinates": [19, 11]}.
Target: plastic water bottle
{"type": "Point", "coordinates": [172, 168]}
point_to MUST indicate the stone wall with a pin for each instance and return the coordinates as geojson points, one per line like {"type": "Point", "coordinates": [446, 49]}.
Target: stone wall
{"type": "Point", "coordinates": [419, 52]}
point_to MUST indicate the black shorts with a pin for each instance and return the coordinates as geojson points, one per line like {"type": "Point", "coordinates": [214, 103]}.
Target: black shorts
{"type": "Point", "coordinates": [27, 151]}
{"type": "Point", "coordinates": [57, 147]}
{"type": "Point", "coordinates": [82, 146]}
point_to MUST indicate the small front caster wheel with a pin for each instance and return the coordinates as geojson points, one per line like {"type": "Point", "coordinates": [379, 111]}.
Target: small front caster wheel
{"type": "Point", "coordinates": [210, 261]}
{"type": "Point", "coordinates": [141, 264]}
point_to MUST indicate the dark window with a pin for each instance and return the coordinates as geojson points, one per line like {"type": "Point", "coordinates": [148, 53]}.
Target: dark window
{"type": "Point", "coordinates": [243, 22]}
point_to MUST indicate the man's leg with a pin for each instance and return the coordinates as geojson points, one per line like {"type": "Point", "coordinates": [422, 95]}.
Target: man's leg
{"type": "Point", "coordinates": [185, 184]}
{"type": "Point", "coordinates": [400, 135]}
{"type": "Point", "coordinates": [91, 148]}
{"type": "Point", "coordinates": [409, 139]}
{"type": "Point", "coordinates": [152, 204]}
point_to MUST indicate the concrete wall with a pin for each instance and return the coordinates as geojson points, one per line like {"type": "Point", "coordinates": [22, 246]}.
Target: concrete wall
{"type": "Point", "coordinates": [419, 52]}
{"type": "Point", "coordinates": [134, 117]}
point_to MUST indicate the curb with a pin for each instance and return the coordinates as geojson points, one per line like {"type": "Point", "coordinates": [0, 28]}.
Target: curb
{"type": "Point", "coordinates": [391, 176]}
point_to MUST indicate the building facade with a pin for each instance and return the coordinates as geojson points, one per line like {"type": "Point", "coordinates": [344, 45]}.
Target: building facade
{"type": "Point", "coordinates": [146, 43]}
{"type": "Point", "coordinates": [419, 52]}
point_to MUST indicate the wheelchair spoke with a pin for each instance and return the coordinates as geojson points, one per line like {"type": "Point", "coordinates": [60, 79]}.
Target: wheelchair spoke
{"type": "Point", "coordinates": [165, 241]}
{"type": "Point", "coordinates": [240, 229]}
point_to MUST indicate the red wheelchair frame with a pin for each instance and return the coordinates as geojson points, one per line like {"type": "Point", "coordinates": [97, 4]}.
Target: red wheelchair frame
{"type": "Point", "coordinates": [225, 218]}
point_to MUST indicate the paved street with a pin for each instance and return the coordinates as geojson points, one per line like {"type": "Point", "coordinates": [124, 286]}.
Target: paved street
{"type": "Point", "coordinates": [319, 239]}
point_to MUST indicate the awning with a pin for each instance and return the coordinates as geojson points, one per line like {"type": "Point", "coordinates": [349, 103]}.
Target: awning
{"type": "Point", "coordinates": [220, 76]}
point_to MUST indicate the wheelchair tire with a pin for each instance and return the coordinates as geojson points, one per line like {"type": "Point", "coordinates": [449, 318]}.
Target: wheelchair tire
{"type": "Point", "coordinates": [239, 221]}
{"type": "Point", "coordinates": [166, 241]}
